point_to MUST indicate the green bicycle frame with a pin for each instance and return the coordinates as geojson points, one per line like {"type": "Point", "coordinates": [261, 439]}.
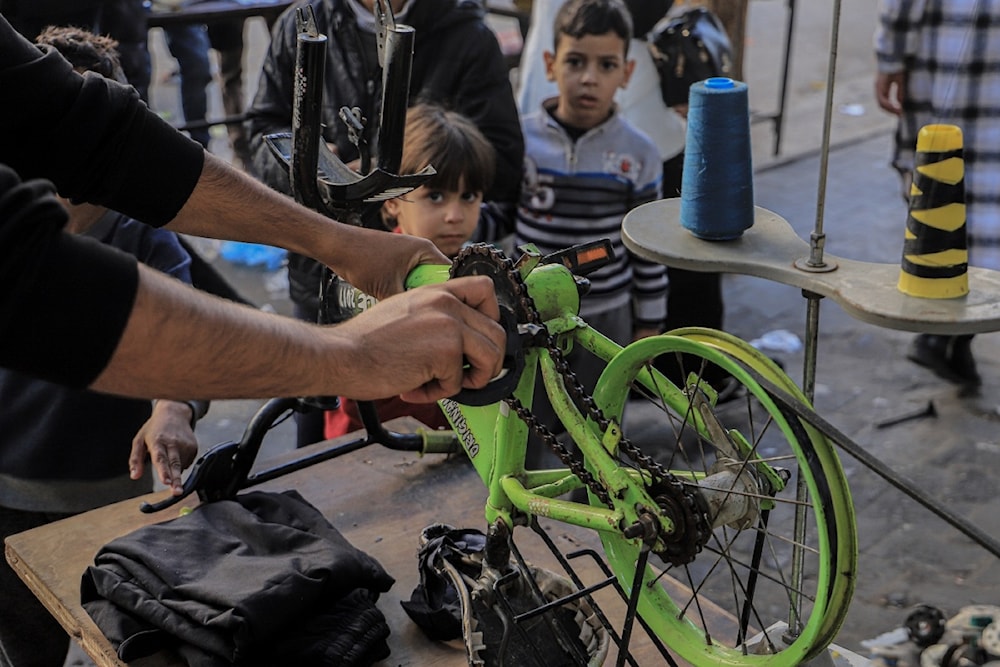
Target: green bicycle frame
{"type": "Point", "coordinates": [495, 439]}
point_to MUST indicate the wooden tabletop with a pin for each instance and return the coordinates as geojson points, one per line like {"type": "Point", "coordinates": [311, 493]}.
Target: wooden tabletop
{"type": "Point", "coordinates": [379, 499]}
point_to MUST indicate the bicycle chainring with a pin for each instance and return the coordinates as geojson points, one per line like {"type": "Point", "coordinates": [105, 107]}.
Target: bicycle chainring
{"type": "Point", "coordinates": [483, 260]}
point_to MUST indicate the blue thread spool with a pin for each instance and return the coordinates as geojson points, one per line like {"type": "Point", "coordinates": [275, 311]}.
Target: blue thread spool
{"type": "Point", "coordinates": [717, 187]}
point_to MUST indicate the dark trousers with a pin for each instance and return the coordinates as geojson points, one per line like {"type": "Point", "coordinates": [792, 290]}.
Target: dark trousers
{"type": "Point", "coordinates": [29, 635]}
{"type": "Point", "coordinates": [695, 297]}
{"type": "Point", "coordinates": [309, 426]}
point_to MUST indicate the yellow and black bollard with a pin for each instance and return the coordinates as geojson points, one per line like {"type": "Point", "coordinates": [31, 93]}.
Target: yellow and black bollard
{"type": "Point", "coordinates": [935, 261]}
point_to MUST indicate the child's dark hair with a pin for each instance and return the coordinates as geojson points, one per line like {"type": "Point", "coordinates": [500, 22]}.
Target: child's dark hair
{"type": "Point", "coordinates": [84, 50]}
{"type": "Point", "coordinates": [577, 18]}
{"type": "Point", "coordinates": [452, 144]}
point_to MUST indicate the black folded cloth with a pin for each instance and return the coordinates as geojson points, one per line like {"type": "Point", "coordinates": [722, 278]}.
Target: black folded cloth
{"type": "Point", "coordinates": [260, 579]}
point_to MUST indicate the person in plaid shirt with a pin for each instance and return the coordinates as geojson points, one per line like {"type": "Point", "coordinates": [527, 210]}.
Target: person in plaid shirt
{"type": "Point", "coordinates": [939, 62]}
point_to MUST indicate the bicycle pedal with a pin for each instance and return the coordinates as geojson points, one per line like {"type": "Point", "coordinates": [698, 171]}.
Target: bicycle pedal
{"type": "Point", "coordinates": [509, 632]}
{"type": "Point", "coordinates": [498, 606]}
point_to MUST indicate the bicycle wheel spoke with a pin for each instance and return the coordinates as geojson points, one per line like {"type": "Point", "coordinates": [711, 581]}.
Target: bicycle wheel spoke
{"type": "Point", "coordinates": [738, 593]}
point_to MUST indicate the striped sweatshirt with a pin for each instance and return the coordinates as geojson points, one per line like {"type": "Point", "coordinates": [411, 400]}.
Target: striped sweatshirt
{"type": "Point", "coordinates": [579, 191]}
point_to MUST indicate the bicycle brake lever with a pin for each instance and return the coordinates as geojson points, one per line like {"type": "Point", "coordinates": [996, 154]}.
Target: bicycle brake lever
{"type": "Point", "coordinates": [211, 476]}
{"type": "Point", "coordinates": [583, 258]}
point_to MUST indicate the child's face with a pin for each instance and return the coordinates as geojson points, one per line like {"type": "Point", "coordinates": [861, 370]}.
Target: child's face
{"type": "Point", "coordinates": [446, 217]}
{"type": "Point", "coordinates": [588, 72]}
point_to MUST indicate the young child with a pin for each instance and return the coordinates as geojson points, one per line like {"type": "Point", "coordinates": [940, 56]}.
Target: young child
{"type": "Point", "coordinates": [586, 167]}
{"type": "Point", "coordinates": [445, 210]}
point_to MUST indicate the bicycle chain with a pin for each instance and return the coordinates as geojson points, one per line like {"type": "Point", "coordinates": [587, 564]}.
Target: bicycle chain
{"type": "Point", "coordinates": [689, 509]}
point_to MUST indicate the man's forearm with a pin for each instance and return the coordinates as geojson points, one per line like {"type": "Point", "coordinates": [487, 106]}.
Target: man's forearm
{"type": "Point", "coordinates": [228, 204]}
{"type": "Point", "coordinates": [182, 344]}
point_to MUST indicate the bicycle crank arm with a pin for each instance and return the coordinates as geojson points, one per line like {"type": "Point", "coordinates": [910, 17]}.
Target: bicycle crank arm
{"type": "Point", "coordinates": [908, 487]}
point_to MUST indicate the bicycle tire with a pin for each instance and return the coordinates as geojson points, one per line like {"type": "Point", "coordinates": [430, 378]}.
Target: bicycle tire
{"type": "Point", "coordinates": [686, 616]}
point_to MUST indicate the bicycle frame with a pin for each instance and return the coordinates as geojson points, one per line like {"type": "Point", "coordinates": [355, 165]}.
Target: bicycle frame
{"type": "Point", "coordinates": [733, 502]}
{"type": "Point", "coordinates": [495, 440]}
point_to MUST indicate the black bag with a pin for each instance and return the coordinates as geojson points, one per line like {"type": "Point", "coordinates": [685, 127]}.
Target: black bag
{"type": "Point", "coordinates": [688, 48]}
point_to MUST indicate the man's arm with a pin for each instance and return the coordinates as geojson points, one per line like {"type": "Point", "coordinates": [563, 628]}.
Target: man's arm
{"type": "Point", "coordinates": [228, 204]}
{"type": "Point", "coordinates": [896, 35]}
{"type": "Point", "coordinates": [97, 142]}
{"type": "Point", "coordinates": [180, 344]}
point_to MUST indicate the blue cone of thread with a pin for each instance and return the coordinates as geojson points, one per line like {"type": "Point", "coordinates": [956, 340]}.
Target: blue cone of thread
{"type": "Point", "coordinates": [717, 186]}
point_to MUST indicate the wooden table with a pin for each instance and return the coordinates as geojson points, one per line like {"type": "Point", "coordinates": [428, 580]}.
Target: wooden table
{"type": "Point", "coordinates": [209, 11]}
{"type": "Point", "coordinates": [378, 498]}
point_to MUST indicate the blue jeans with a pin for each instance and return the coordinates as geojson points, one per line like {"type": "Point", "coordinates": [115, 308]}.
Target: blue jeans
{"type": "Point", "coordinates": [189, 45]}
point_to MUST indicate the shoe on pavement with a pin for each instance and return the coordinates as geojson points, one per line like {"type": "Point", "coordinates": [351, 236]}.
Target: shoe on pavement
{"type": "Point", "coordinates": [961, 361]}
{"type": "Point", "coordinates": [948, 357]}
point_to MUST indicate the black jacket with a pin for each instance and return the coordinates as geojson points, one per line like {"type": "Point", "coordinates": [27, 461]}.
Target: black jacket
{"type": "Point", "coordinates": [457, 63]}
{"type": "Point", "coordinates": [97, 142]}
{"type": "Point", "coordinates": [262, 579]}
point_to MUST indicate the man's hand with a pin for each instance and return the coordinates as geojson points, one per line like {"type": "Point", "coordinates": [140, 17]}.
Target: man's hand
{"type": "Point", "coordinates": [169, 441]}
{"type": "Point", "coordinates": [382, 261]}
{"type": "Point", "coordinates": [436, 339]}
{"type": "Point", "coordinates": [890, 91]}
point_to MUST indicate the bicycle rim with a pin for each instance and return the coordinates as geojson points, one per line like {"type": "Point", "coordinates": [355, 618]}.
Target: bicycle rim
{"type": "Point", "coordinates": [768, 589]}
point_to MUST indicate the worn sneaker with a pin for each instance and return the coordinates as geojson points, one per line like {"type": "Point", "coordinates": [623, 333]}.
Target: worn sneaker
{"type": "Point", "coordinates": [961, 362]}
{"type": "Point", "coordinates": [948, 357]}
{"type": "Point", "coordinates": [931, 352]}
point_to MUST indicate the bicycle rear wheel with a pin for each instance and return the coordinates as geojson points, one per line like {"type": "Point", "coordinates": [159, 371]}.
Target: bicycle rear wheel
{"type": "Point", "coordinates": [772, 585]}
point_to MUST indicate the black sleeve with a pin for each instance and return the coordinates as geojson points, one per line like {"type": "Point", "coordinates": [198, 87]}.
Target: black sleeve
{"type": "Point", "coordinates": [64, 300]}
{"type": "Point", "coordinates": [93, 138]}
{"type": "Point", "coordinates": [486, 97]}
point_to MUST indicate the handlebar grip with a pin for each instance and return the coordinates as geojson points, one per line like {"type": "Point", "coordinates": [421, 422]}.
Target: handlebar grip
{"type": "Point", "coordinates": [427, 274]}
{"type": "Point", "coordinates": [439, 442]}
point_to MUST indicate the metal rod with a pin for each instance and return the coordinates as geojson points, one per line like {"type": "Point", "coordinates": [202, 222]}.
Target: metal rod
{"type": "Point", "coordinates": [779, 118]}
{"type": "Point", "coordinates": [817, 241]}
{"type": "Point", "coordinates": [202, 124]}
{"type": "Point", "coordinates": [818, 237]}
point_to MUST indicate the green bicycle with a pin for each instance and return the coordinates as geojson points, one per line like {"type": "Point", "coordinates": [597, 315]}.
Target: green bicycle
{"type": "Point", "coordinates": [749, 511]}
{"type": "Point", "coordinates": [737, 509]}
{"type": "Point", "coordinates": [744, 504]}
